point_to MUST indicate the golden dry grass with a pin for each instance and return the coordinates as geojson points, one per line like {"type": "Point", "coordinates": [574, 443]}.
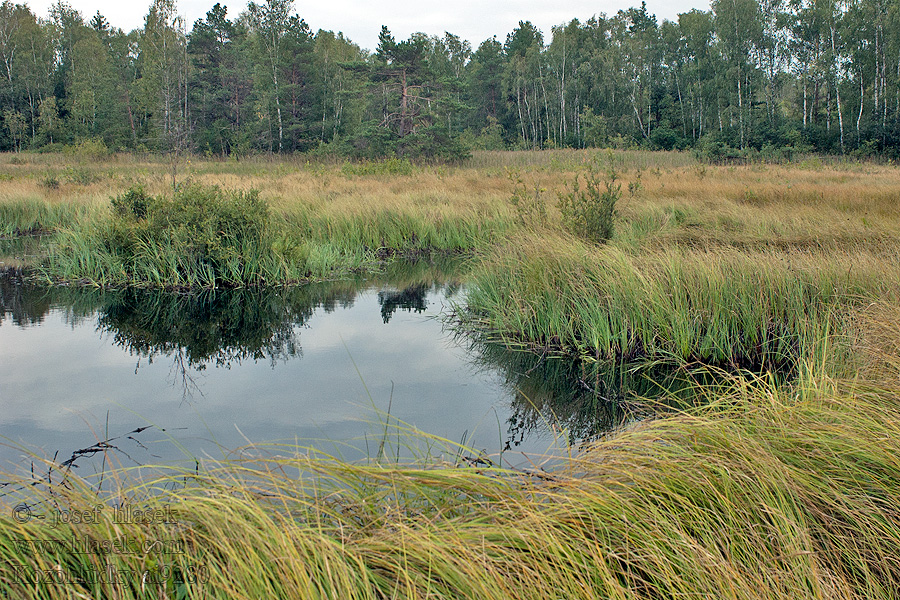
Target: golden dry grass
{"type": "Point", "coordinates": [678, 200]}
{"type": "Point", "coordinates": [875, 331]}
{"type": "Point", "coordinates": [776, 204]}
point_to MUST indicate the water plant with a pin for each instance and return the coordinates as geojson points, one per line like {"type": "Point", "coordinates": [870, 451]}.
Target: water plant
{"type": "Point", "coordinates": [29, 216]}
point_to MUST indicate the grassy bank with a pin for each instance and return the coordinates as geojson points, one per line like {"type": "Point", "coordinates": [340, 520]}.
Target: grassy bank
{"type": "Point", "coordinates": [668, 198]}
{"type": "Point", "coordinates": [728, 307]}
{"type": "Point", "coordinates": [323, 221]}
{"type": "Point", "coordinates": [207, 237]}
{"type": "Point", "coordinates": [764, 493]}
{"type": "Point", "coordinates": [35, 216]}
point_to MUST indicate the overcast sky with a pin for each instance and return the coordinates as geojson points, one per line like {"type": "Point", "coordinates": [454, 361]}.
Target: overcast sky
{"type": "Point", "coordinates": [473, 20]}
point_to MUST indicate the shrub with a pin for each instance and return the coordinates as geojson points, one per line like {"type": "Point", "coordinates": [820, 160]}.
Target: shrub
{"type": "Point", "coordinates": [201, 237]}
{"type": "Point", "coordinates": [432, 143]}
{"type": "Point", "coordinates": [208, 228]}
{"type": "Point", "coordinates": [491, 136]}
{"type": "Point", "coordinates": [388, 166]}
{"type": "Point", "coordinates": [665, 138]}
{"type": "Point", "coordinates": [590, 212]}
{"type": "Point", "coordinates": [89, 150]}
{"type": "Point", "coordinates": [717, 152]}
{"type": "Point", "coordinates": [80, 176]}
{"type": "Point", "coordinates": [530, 207]}
{"type": "Point", "coordinates": [50, 181]}
{"type": "Point", "coordinates": [134, 203]}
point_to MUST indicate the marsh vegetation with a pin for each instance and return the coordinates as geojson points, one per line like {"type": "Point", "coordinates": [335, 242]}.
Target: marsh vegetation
{"type": "Point", "coordinates": [746, 313]}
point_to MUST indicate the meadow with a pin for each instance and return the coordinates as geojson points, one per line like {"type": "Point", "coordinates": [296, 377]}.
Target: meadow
{"type": "Point", "coordinates": [760, 486]}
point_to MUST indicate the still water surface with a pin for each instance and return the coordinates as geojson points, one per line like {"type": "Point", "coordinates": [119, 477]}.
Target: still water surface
{"type": "Point", "coordinates": [322, 365]}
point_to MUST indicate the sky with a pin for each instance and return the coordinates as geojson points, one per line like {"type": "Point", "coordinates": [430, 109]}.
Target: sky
{"type": "Point", "coordinates": [361, 21]}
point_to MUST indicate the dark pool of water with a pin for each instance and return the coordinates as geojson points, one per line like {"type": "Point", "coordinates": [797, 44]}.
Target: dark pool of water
{"type": "Point", "coordinates": [332, 366]}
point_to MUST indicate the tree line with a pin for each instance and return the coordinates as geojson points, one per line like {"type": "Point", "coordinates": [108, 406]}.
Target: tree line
{"type": "Point", "coordinates": [769, 76]}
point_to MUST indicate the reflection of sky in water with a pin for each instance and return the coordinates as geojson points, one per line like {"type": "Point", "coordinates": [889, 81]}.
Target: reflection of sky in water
{"type": "Point", "coordinates": [59, 380]}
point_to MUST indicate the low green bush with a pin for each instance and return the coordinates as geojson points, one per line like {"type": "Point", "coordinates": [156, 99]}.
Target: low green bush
{"type": "Point", "coordinates": [590, 212]}
{"type": "Point", "coordinates": [202, 237]}
{"type": "Point", "coordinates": [717, 152]}
{"type": "Point", "coordinates": [80, 176]}
{"type": "Point", "coordinates": [529, 204]}
{"type": "Point", "coordinates": [88, 150]}
{"type": "Point", "coordinates": [50, 181]}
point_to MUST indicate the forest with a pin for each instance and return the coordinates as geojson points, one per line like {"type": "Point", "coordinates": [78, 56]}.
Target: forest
{"type": "Point", "coordinates": [746, 78]}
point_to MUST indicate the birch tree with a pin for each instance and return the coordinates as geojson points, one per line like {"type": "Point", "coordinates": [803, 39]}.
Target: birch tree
{"type": "Point", "coordinates": [269, 23]}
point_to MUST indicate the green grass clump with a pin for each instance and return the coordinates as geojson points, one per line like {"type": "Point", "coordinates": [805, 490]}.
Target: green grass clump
{"type": "Point", "coordinates": [765, 493]}
{"type": "Point", "coordinates": [726, 307]}
{"type": "Point", "coordinates": [206, 237]}
{"type": "Point", "coordinates": [25, 217]}
{"type": "Point", "coordinates": [202, 237]}
{"type": "Point", "coordinates": [397, 232]}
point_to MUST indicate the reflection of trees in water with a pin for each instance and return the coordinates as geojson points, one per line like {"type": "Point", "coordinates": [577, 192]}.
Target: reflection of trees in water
{"type": "Point", "coordinates": [214, 327]}
{"type": "Point", "coordinates": [585, 399]}
{"type": "Point", "coordinates": [27, 303]}
{"type": "Point", "coordinates": [15, 303]}
{"type": "Point", "coordinates": [413, 298]}
{"type": "Point", "coordinates": [557, 391]}
{"type": "Point", "coordinates": [220, 327]}
{"type": "Point", "coordinates": [409, 289]}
